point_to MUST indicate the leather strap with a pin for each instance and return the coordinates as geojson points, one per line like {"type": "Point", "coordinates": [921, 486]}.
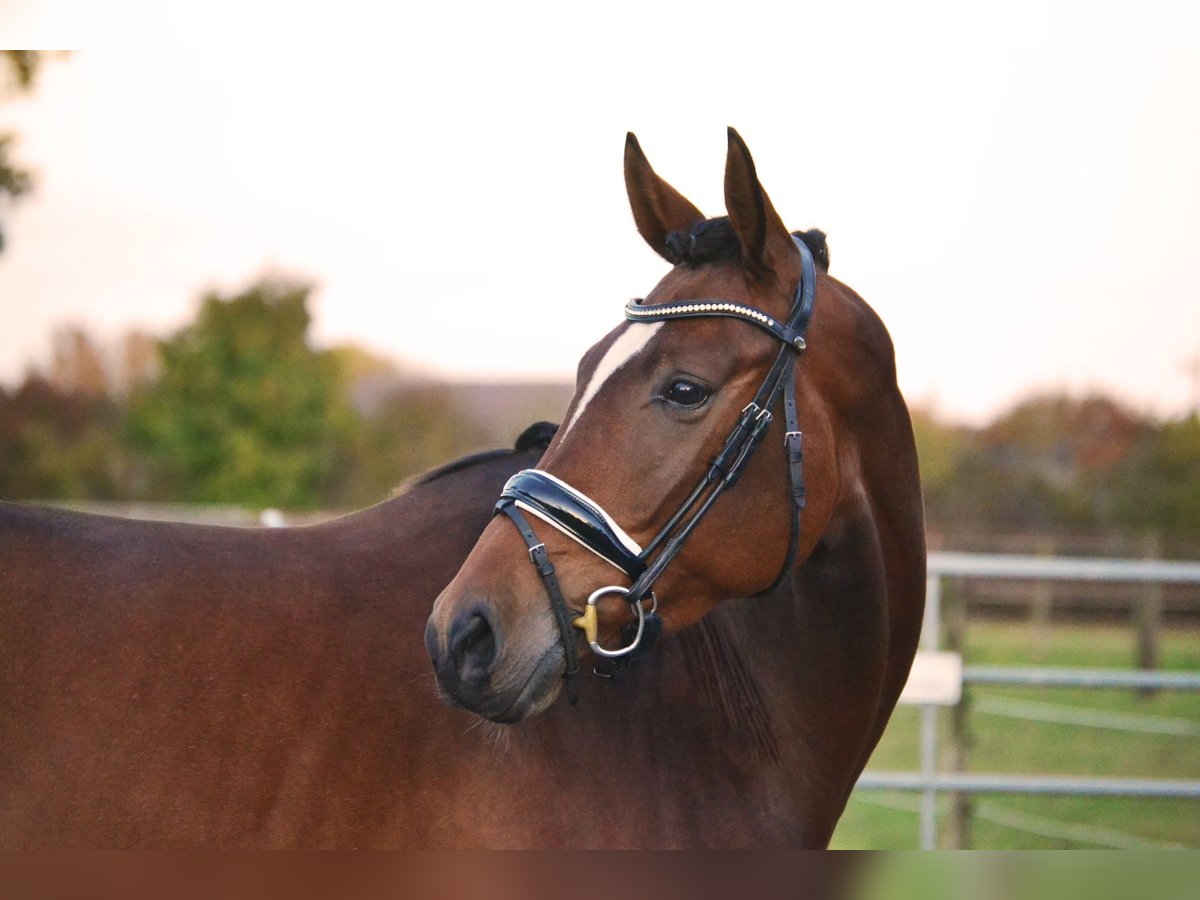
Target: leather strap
{"type": "Point", "coordinates": [747, 433]}
{"type": "Point", "coordinates": [562, 614]}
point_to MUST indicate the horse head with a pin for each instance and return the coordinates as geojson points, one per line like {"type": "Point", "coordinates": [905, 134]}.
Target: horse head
{"type": "Point", "coordinates": [678, 477]}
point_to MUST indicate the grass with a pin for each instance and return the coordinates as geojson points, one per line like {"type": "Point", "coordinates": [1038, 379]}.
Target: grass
{"type": "Point", "coordinates": [1005, 744]}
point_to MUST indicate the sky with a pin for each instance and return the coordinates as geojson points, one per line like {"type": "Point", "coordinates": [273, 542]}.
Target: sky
{"type": "Point", "coordinates": [1016, 191]}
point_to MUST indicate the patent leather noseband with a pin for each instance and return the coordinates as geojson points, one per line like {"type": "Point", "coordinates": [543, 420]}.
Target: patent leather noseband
{"type": "Point", "coordinates": [577, 516]}
{"type": "Point", "coordinates": [584, 521]}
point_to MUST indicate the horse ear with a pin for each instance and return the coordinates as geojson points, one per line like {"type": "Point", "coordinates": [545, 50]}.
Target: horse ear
{"type": "Point", "coordinates": [764, 238]}
{"type": "Point", "coordinates": [658, 209]}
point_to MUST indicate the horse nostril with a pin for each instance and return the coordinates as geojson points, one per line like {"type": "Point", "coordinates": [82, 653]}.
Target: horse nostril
{"type": "Point", "coordinates": [473, 647]}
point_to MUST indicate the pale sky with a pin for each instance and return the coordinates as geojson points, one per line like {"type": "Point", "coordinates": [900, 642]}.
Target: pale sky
{"type": "Point", "coordinates": [1016, 192]}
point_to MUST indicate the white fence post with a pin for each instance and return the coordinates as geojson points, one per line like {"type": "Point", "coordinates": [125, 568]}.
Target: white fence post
{"type": "Point", "coordinates": [930, 640]}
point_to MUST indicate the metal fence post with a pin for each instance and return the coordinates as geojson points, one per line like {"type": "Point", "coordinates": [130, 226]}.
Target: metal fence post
{"type": "Point", "coordinates": [931, 625]}
{"type": "Point", "coordinates": [1147, 615]}
{"type": "Point", "coordinates": [929, 771]}
{"type": "Point", "coordinates": [957, 834]}
{"type": "Point", "coordinates": [930, 640]}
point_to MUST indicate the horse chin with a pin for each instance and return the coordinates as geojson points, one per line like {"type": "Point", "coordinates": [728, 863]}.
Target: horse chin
{"type": "Point", "coordinates": [539, 690]}
{"type": "Point", "coordinates": [535, 694]}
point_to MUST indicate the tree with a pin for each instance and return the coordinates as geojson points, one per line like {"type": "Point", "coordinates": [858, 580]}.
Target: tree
{"type": "Point", "coordinates": [243, 410]}
{"type": "Point", "coordinates": [1051, 462]}
{"type": "Point", "coordinates": [410, 429]}
{"type": "Point", "coordinates": [21, 67]}
{"type": "Point", "coordinates": [408, 423]}
{"type": "Point", "coordinates": [77, 366]}
{"type": "Point", "coordinates": [1159, 484]}
{"type": "Point", "coordinates": [59, 444]}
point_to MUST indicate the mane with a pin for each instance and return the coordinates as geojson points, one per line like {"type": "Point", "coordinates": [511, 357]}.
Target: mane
{"type": "Point", "coordinates": [715, 239]}
{"type": "Point", "coordinates": [536, 437]}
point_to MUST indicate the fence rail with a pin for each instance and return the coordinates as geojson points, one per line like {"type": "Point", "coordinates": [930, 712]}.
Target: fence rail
{"type": "Point", "coordinates": [982, 783]}
{"type": "Point", "coordinates": [1081, 678]}
{"type": "Point", "coordinates": [929, 782]}
{"type": "Point", "coordinates": [1052, 568]}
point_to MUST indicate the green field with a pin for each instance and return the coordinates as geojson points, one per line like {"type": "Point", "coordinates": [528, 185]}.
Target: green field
{"type": "Point", "coordinates": [1000, 738]}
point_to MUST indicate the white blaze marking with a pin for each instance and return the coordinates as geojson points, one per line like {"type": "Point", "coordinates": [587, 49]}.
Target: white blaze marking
{"type": "Point", "coordinates": [629, 344]}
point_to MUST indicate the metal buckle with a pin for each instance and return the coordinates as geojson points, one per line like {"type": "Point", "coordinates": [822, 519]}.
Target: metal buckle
{"type": "Point", "coordinates": [534, 549]}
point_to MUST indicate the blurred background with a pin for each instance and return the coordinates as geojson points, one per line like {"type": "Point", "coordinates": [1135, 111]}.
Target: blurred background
{"type": "Point", "coordinates": [289, 260]}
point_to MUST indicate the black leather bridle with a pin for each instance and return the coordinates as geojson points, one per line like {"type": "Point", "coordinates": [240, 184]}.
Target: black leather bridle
{"type": "Point", "coordinates": [585, 521]}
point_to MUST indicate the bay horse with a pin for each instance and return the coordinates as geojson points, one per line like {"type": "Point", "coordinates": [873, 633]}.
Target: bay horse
{"type": "Point", "coordinates": [768, 707]}
{"type": "Point", "coordinates": [178, 686]}
{"type": "Point", "coordinates": [182, 686]}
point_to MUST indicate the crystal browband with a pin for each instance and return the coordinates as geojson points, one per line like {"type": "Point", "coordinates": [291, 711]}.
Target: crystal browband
{"type": "Point", "coordinates": [635, 311]}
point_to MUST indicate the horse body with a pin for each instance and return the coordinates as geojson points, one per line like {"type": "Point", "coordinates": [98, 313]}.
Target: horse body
{"type": "Point", "coordinates": [183, 686]}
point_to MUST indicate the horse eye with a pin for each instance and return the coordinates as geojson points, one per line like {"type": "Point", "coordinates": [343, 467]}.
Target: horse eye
{"type": "Point", "coordinates": [687, 394]}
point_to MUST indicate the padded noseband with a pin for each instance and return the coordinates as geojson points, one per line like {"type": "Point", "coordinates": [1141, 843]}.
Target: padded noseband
{"type": "Point", "coordinates": [576, 515]}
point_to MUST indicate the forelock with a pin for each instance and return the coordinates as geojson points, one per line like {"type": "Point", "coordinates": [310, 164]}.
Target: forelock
{"type": "Point", "coordinates": [714, 239]}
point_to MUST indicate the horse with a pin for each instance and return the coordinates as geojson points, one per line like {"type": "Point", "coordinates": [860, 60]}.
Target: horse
{"type": "Point", "coordinates": [178, 686]}
{"type": "Point", "coordinates": [755, 716]}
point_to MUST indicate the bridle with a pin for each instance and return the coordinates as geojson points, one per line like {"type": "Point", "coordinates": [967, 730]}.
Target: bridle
{"type": "Point", "coordinates": [585, 521]}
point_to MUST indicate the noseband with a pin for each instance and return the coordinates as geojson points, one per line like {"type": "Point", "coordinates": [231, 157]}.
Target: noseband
{"type": "Point", "coordinates": [584, 521]}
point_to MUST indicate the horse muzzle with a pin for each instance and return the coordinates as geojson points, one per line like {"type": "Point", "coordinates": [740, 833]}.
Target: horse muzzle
{"type": "Point", "coordinates": [478, 670]}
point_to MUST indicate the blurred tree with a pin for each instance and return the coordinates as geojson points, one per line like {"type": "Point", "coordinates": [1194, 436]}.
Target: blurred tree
{"type": "Point", "coordinates": [409, 429]}
{"type": "Point", "coordinates": [137, 362]}
{"type": "Point", "coordinates": [1159, 484]}
{"type": "Point", "coordinates": [58, 445]}
{"type": "Point", "coordinates": [1046, 464]}
{"type": "Point", "coordinates": [77, 365]}
{"type": "Point", "coordinates": [409, 423]}
{"type": "Point", "coordinates": [18, 72]}
{"type": "Point", "coordinates": [941, 450]}
{"type": "Point", "coordinates": [243, 410]}
{"type": "Point", "coordinates": [1054, 457]}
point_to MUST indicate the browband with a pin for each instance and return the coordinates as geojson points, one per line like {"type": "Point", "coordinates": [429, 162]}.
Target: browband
{"type": "Point", "coordinates": [790, 332]}
{"type": "Point", "coordinates": [706, 309]}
